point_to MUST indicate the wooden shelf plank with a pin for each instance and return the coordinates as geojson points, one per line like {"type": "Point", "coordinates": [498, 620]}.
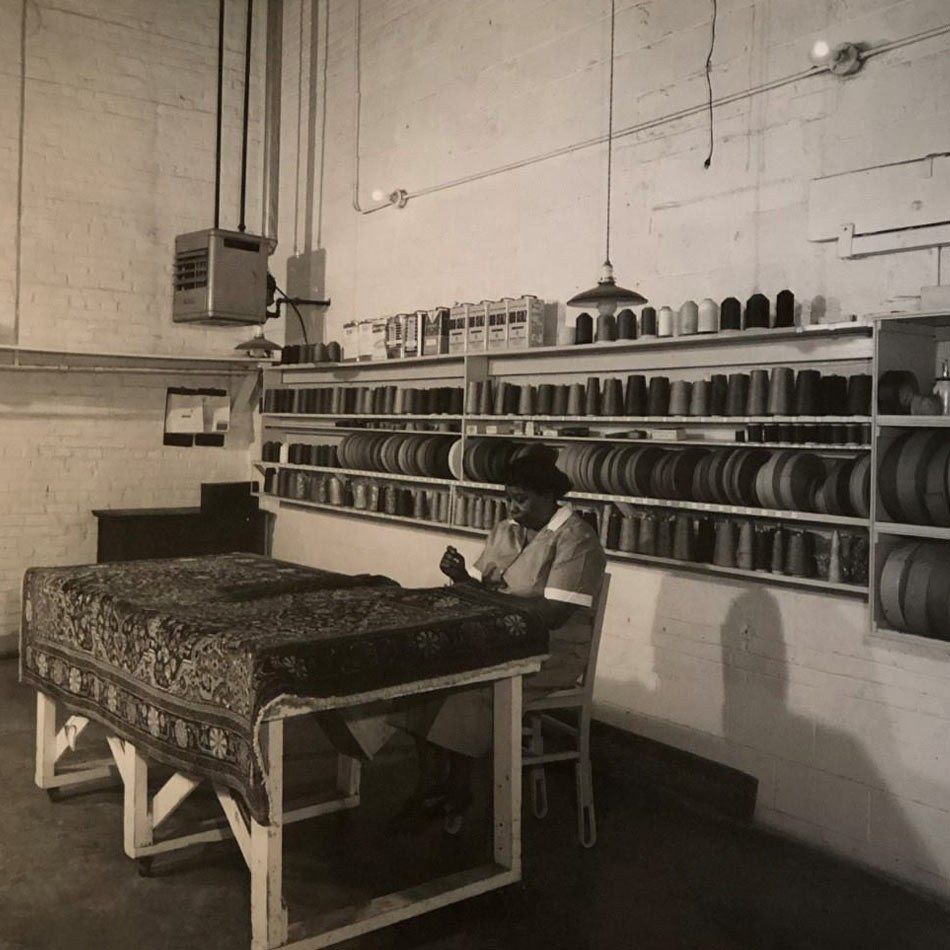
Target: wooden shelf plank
{"type": "Point", "coordinates": [912, 530]}
{"type": "Point", "coordinates": [914, 422]}
{"type": "Point", "coordinates": [677, 421]}
{"type": "Point", "coordinates": [357, 473]}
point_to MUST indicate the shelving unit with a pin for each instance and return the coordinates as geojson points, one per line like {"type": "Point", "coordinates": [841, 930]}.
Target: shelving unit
{"type": "Point", "coordinates": [839, 348]}
{"type": "Point", "coordinates": [910, 562]}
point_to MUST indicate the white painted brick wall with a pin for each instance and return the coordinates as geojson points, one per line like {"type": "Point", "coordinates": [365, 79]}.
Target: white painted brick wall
{"type": "Point", "coordinates": [846, 735]}
{"type": "Point", "coordinates": [118, 147]}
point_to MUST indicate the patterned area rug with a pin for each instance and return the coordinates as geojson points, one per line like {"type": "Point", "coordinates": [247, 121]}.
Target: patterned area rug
{"type": "Point", "coordinates": [179, 656]}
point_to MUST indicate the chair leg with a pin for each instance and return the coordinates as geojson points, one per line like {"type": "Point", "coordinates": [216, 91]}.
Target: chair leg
{"type": "Point", "coordinates": [586, 819]}
{"type": "Point", "coordinates": [539, 785]}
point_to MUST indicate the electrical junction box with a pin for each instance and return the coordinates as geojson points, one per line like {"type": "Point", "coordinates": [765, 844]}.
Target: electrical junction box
{"type": "Point", "coordinates": [220, 278]}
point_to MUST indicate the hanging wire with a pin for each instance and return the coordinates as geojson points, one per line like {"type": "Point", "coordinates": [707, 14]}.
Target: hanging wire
{"type": "Point", "coordinates": [709, 55]}
{"type": "Point", "coordinates": [610, 124]}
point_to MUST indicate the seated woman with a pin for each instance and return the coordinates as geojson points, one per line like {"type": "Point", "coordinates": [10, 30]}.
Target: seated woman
{"type": "Point", "coordinates": [546, 555]}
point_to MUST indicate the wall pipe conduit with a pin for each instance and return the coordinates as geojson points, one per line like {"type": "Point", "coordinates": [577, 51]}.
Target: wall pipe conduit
{"type": "Point", "coordinates": [600, 139]}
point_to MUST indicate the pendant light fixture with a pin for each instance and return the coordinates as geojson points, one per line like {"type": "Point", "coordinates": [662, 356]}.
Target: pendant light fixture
{"type": "Point", "coordinates": [607, 295]}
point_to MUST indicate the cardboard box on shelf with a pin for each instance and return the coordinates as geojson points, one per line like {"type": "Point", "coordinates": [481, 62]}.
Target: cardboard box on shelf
{"type": "Point", "coordinates": [435, 337]}
{"type": "Point", "coordinates": [525, 322]}
{"type": "Point", "coordinates": [351, 341]}
{"type": "Point", "coordinates": [378, 347]}
{"type": "Point", "coordinates": [396, 336]}
{"type": "Point", "coordinates": [458, 328]}
{"type": "Point", "coordinates": [478, 327]}
{"type": "Point", "coordinates": [413, 338]}
{"type": "Point", "coordinates": [497, 325]}
{"type": "Point", "coordinates": [365, 335]}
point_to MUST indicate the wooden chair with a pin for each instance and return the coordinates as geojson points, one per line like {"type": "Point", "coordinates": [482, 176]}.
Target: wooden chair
{"type": "Point", "coordinates": [540, 720]}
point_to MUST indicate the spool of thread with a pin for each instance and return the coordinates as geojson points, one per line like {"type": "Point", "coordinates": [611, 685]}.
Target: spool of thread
{"type": "Point", "coordinates": [612, 403]}
{"type": "Point", "coordinates": [648, 321]}
{"type": "Point", "coordinates": [592, 401]}
{"type": "Point", "coordinates": [730, 314]}
{"type": "Point", "coordinates": [777, 564]}
{"type": "Point", "coordinates": [688, 319]}
{"type": "Point", "coordinates": [501, 397]}
{"type": "Point", "coordinates": [795, 560]}
{"type": "Point", "coordinates": [658, 396]}
{"type": "Point", "coordinates": [606, 328]}
{"type": "Point", "coordinates": [545, 405]}
{"type": "Point", "coordinates": [526, 401]}
{"type": "Point", "coordinates": [757, 312]}
{"type": "Point", "coordinates": [334, 490]}
{"type": "Point", "coordinates": [611, 528]}
{"type": "Point", "coordinates": [323, 492]}
{"type": "Point", "coordinates": [664, 321]}
{"type": "Point", "coordinates": [725, 551]}
{"type": "Point", "coordinates": [419, 505]}
{"type": "Point", "coordinates": [859, 395]}
{"type": "Point", "coordinates": [718, 394]}
{"type": "Point", "coordinates": [443, 515]}
{"type": "Point", "coordinates": [834, 396]}
{"type": "Point", "coordinates": [635, 396]}
{"type": "Point", "coordinates": [834, 559]}
{"type": "Point", "coordinates": [738, 394]}
{"type": "Point", "coordinates": [320, 354]}
{"type": "Point", "coordinates": [628, 534]}
{"type": "Point", "coordinates": [455, 400]}
{"type": "Point", "coordinates": [584, 328]}
{"type": "Point", "coordinates": [699, 398]}
{"type": "Point", "coordinates": [808, 392]}
{"type": "Point", "coordinates": [781, 391]}
{"type": "Point", "coordinates": [664, 536]}
{"type": "Point", "coordinates": [559, 408]}
{"type": "Point", "coordinates": [575, 400]}
{"type": "Point", "coordinates": [389, 405]}
{"type": "Point", "coordinates": [486, 400]}
{"type": "Point", "coordinates": [707, 317]}
{"type": "Point", "coordinates": [705, 540]}
{"type": "Point", "coordinates": [476, 511]}
{"type": "Point", "coordinates": [626, 325]}
{"type": "Point", "coordinates": [744, 546]}
{"type": "Point", "coordinates": [762, 549]}
{"type": "Point", "coordinates": [461, 510]}
{"type": "Point", "coordinates": [646, 536]}
{"type": "Point", "coordinates": [334, 354]}
{"type": "Point", "coordinates": [473, 396]}
{"type": "Point", "coordinates": [683, 548]}
{"type": "Point", "coordinates": [680, 397]}
{"type": "Point", "coordinates": [785, 309]}
{"type": "Point", "coordinates": [758, 399]}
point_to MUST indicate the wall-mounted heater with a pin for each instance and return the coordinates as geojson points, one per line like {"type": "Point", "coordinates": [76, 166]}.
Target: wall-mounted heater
{"type": "Point", "coordinates": [221, 276]}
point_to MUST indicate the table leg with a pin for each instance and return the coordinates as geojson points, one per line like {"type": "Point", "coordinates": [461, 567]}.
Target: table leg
{"type": "Point", "coordinates": [507, 773]}
{"type": "Point", "coordinates": [51, 746]}
{"type": "Point", "coordinates": [268, 914]}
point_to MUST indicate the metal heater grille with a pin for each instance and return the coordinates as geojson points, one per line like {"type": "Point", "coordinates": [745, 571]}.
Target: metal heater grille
{"type": "Point", "coordinates": [191, 269]}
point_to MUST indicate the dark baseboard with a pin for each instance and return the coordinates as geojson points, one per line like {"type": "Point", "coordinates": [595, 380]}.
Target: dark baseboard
{"type": "Point", "coordinates": [624, 760]}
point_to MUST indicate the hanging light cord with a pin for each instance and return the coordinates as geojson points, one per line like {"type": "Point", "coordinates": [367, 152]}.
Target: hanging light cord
{"type": "Point", "coordinates": [610, 123]}
{"type": "Point", "coordinates": [709, 55]}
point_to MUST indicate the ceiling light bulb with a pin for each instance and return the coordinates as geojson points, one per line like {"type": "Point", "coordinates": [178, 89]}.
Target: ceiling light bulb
{"type": "Point", "coordinates": [820, 52]}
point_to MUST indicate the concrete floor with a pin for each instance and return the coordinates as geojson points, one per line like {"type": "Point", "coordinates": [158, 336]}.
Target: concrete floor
{"type": "Point", "coordinates": [662, 875]}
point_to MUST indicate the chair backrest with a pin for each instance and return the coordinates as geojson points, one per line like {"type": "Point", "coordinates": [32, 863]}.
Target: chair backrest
{"type": "Point", "coordinates": [600, 608]}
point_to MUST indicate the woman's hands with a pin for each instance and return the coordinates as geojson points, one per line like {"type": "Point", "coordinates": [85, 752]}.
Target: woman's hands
{"type": "Point", "coordinates": [452, 565]}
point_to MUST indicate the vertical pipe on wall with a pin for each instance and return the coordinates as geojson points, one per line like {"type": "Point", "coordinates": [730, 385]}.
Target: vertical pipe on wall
{"type": "Point", "coordinates": [272, 90]}
{"type": "Point", "coordinates": [247, 105]}
{"type": "Point", "coordinates": [218, 116]}
{"type": "Point", "coordinates": [21, 136]}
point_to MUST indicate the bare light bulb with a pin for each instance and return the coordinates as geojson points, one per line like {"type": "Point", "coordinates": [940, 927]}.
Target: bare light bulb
{"type": "Point", "coordinates": [378, 194]}
{"type": "Point", "coordinates": [820, 51]}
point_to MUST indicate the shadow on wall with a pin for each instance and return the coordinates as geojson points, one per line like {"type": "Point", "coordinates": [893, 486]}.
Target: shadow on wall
{"type": "Point", "coordinates": [722, 691]}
